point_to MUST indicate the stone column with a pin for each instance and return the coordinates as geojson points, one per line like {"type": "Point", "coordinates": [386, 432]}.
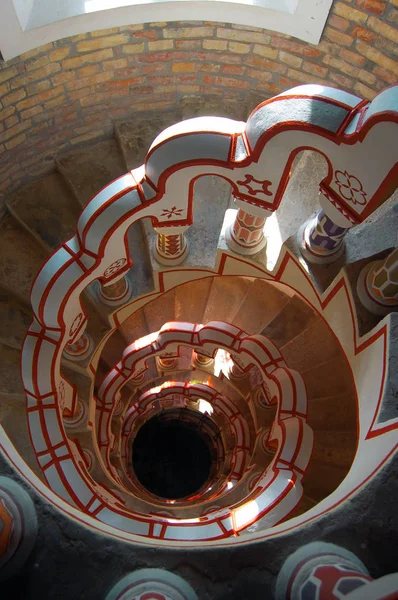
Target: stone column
{"type": "Point", "coordinates": [321, 571]}
{"type": "Point", "coordinates": [18, 527]}
{"type": "Point", "coordinates": [377, 285]}
{"type": "Point", "coordinates": [170, 249]}
{"type": "Point", "coordinates": [167, 363]}
{"type": "Point", "coordinates": [322, 241]}
{"type": "Point", "coordinates": [246, 236]}
{"type": "Point", "coordinates": [201, 360]}
{"type": "Point", "coordinates": [152, 584]}
{"type": "Point", "coordinates": [80, 349]}
{"type": "Point", "coordinates": [117, 293]}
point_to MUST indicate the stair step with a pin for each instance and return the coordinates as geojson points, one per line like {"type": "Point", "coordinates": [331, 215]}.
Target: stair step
{"type": "Point", "coordinates": [306, 503]}
{"type": "Point", "coordinates": [21, 258]}
{"type": "Point", "coordinates": [261, 304]}
{"type": "Point", "coordinates": [191, 299]}
{"type": "Point", "coordinates": [47, 208]}
{"type": "Point", "coordinates": [197, 106]}
{"type": "Point", "coordinates": [335, 447]}
{"type": "Point", "coordinates": [331, 378]}
{"type": "Point", "coordinates": [295, 316]}
{"type": "Point", "coordinates": [10, 375]}
{"type": "Point", "coordinates": [160, 311]}
{"type": "Point", "coordinates": [13, 419]}
{"type": "Point", "coordinates": [225, 297]}
{"type": "Point", "coordinates": [321, 480]}
{"type": "Point", "coordinates": [134, 327]}
{"type": "Point", "coordinates": [88, 170]}
{"type": "Point", "coordinates": [315, 345]}
{"type": "Point", "coordinates": [137, 134]}
{"type": "Point", "coordinates": [15, 318]}
{"type": "Point", "coordinates": [333, 413]}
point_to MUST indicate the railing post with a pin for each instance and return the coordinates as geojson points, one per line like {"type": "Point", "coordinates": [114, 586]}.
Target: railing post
{"type": "Point", "coordinates": [18, 527]}
{"type": "Point", "coordinates": [246, 236]}
{"type": "Point", "coordinates": [321, 571]}
{"type": "Point", "coordinates": [322, 240]}
{"type": "Point", "coordinates": [80, 349]}
{"type": "Point", "coordinates": [152, 584]}
{"type": "Point", "coordinates": [377, 285]}
{"type": "Point", "coordinates": [171, 249]}
{"type": "Point", "coordinates": [116, 293]}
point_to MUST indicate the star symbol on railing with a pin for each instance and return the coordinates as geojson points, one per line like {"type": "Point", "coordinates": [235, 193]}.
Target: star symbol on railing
{"type": "Point", "coordinates": [172, 212]}
{"type": "Point", "coordinates": [252, 190]}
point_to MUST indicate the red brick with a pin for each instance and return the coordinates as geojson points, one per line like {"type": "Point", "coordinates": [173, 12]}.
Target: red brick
{"type": "Point", "coordinates": [233, 69]}
{"type": "Point", "coordinates": [147, 69]}
{"type": "Point", "coordinates": [260, 75]}
{"type": "Point", "coordinates": [149, 35]}
{"type": "Point", "coordinates": [337, 37]}
{"type": "Point", "coordinates": [162, 57]}
{"type": "Point", "coordinates": [209, 68]}
{"type": "Point", "coordinates": [352, 57]}
{"type": "Point", "coordinates": [314, 69]}
{"type": "Point", "coordinates": [269, 65]}
{"type": "Point", "coordinates": [361, 33]}
{"type": "Point", "coordinates": [188, 44]}
{"type": "Point", "coordinates": [373, 6]}
{"type": "Point", "coordinates": [119, 84]}
{"type": "Point", "coordinates": [386, 75]}
{"type": "Point", "coordinates": [338, 23]}
{"type": "Point", "coordinates": [291, 46]}
{"type": "Point", "coordinates": [341, 79]}
{"type": "Point", "coordinates": [227, 82]}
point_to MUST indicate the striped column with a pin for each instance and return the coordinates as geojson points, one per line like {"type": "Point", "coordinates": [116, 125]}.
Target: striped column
{"type": "Point", "coordinates": [246, 235]}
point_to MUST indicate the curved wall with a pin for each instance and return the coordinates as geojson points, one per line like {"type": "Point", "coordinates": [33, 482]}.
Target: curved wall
{"type": "Point", "coordinates": [71, 91]}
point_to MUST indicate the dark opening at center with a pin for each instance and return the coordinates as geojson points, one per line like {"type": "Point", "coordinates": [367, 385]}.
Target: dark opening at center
{"type": "Point", "coordinates": [171, 458]}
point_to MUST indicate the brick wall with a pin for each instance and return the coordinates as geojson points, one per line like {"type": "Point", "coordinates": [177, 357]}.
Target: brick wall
{"type": "Point", "coordinates": [70, 91]}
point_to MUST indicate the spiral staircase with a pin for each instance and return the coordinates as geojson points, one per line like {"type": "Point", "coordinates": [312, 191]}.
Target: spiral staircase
{"type": "Point", "coordinates": [302, 315]}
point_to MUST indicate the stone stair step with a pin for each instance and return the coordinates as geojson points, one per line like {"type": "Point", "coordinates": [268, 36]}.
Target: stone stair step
{"type": "Point", "coordinates": [87, 170]}
{"type": "Point", "coordinates": [335, 447]}
{"type": "Point", "coordinates": [113, 349]}
{"type": "Point", "coordinates": [198, 106]}
{"type": "Point", "coordinates": [306, 503]}
{"type": "Point", "coordinates": [15, 318]}
{"type": "Point", "coordinates": [47, 209]}
{"type": "Point", "coordinates": [292, 319]}
{"type": "Point", "coordinates": [331, 378]}
{"type": "Point", "coordinates": [135, 135]}
{"type": "Point", "coordinates": [160, 311]}
{"type": "Point", "coordinates": [13, 419]}
{"type": "Point", "coordinates": [315, 345]}
{"type": "Point", "coordinates": [21, 258]}
{"type": "Point", "coordinates": [134, 327]}
{"type": "Point", "coordinates": [191, 299]}
{"type": "Point", "coordinates": [260, 306]}
{"type": "Point", "coordinates": [10, 372]}
{"type": "Point", "coordinates": [225, 297]}
{"type": "Point", "coordinates": [321, 479]}
{"type": "Point", "coordinates": [333, 413]}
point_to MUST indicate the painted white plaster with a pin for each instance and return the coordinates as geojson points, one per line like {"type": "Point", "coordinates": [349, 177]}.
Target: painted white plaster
{"type": "Point", "coordinates": [27, 24]}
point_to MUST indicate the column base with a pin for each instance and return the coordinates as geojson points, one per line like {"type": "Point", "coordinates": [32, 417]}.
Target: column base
{"type": "Point", "coordinates": [371, 304]}
{"type": "Point", "coordinates": [310, 254]}
{"type": "Point", "coordinates": [22, 538]}
{"type": "Point", "coordinates": [115, 301]}
{"type": "Point", "coordinates": [85, 353]}
{"type": "Point", "coordinates": [239, 248]}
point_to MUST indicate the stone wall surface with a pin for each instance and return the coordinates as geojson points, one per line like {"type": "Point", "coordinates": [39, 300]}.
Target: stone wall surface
{"type": "Point", "coordinates": [72, 90]}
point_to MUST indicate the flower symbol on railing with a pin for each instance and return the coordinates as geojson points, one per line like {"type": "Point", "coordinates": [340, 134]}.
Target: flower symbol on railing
{"type": "Point", "coordinates": [252, 190]}
{"type": "Point", "coordinates": [115, 267]}
{"type": "Point", "coordinates": [350, 187]}
{"type": "Point", "coordinates": [172, 212]}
